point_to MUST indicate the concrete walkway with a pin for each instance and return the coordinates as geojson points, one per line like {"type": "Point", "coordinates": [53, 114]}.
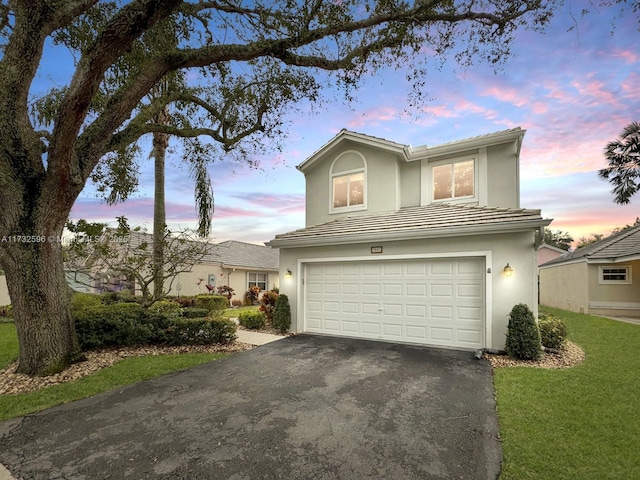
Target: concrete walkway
{"type": "Point", "coordinates": [257, 338]}
{"type": "Point", "coordinates": [634, 320]}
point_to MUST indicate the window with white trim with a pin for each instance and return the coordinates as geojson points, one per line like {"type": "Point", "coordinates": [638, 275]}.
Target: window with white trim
{"type": "Point", "coordinates": [455, 180]}
{"type": "Point", "coordinates": [259, 279]}
{"type": "Point", "coordinates": [348, 182]}
{"type": "Point", "coordinates": [615, 274]}
{"type": "Point", "coordinates": [348, 190]}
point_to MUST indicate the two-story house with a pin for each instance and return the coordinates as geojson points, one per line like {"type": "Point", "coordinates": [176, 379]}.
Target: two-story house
{"type": "Point", "coordinates": [424, 245]}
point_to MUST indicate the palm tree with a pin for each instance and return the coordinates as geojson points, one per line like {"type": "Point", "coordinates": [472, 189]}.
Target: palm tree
{"type": "Point", "coordinates": [623, 157]}
{"type": "Point", "coordinates": [203, 192]}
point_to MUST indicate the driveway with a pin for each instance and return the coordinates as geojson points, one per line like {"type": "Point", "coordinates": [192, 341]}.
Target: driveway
{"type": "Point", "coordinates": [305, 407]}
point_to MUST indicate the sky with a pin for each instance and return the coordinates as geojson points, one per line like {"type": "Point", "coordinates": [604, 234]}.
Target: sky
{"type": "Point", "coordinates": [573, 89]}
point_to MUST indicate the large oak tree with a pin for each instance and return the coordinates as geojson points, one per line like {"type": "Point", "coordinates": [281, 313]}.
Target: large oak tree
{"type": "Point", "coordinates": [48, 153]}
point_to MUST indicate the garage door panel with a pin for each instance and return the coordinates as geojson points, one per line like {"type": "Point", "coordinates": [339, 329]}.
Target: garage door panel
{"type": "Point", "coordinates": [371, 289]}
{"type": "Point", "coordinates": [418, 290]}
{"type": "Point", "coordinates": [390, 330]}
{"type": "Point", "coordinates": [441, 290]}
{"type": "Point", "coordinates": [392, 310]}
{"type": "Point", "coordinates": [433, 302]}
{"type": "Point", "coordinates": [394, 289]}
{"type": "Point", "coordinates": [418, 311]}
{"type": "Point", "coordinates": [469, 290]}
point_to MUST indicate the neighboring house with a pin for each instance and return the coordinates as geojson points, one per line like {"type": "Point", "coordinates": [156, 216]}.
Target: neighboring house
{"type": "Point", "coordinates": [235, 264]}
{"type": "Point", "coordinates": [547, 253]}
{"type": "Point", "coordinates": [423, 245]}
{"type": "Point", "coordinates": [4, 291]}
{"type": "Point", "coordinates": [238, 265]}
{"type": "Point", "coordinates": [597, 279]}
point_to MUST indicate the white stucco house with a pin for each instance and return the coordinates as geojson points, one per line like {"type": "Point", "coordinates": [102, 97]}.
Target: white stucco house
{"type": "Point", "coordinates": [424, 245]}
{"type": "Point", "coordinates": [601, 276]}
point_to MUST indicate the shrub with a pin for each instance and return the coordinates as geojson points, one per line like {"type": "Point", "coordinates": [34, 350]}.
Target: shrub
{"type": "Point", "coordinates": [199, 331]}
{"type": "Point", "coordinates": [81, 301]}
{"type": "Point", "coordinates": [6, 311]}
{"type": "Point", "coordinates": [523, 336]}
{"type": "Point", "coordinates": [252, 296]}
{"type": "Point", "coordinates": [118, 324]}
{"type": "Point", "coordinates": [236, 303]}
{"type": "Point", "coordinates": [225, 291]}
{"type": "Point", "coordinates": [553, 331]}
{"type": "Point", "coordinates": [127, 324]}
{"type": "Point", "coordinates": [212, 303]}
{"type": "Point", "coordinates": [194, 312]}
{"type": "Point", "coordinates": [182, 301]}
{"type": "Point", "coordinates": [252, 319]}
{"type": "Point", "coordinates": [167, 307]}
{"type": "Point", "coordinates": [282, 313]}
{"type": "Point", "coordinates": [267, 304]}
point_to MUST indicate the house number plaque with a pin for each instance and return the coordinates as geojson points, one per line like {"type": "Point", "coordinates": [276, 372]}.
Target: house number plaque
{"type": "Point", "coordinates": [376, 249]}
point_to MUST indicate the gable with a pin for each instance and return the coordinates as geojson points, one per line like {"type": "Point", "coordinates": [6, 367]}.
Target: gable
{"type": "Point", "coordinates": [356, 174]}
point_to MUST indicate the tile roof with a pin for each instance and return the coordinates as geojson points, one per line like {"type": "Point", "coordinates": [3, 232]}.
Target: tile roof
{"type": "Point", "coordinates": [620, 245]}
{"type": "Point", "coordinates": [230, 253]}
{"type": "Point", "coordinates": [437, 219]}
{"type": "Point", "coordinates": [239, 254]}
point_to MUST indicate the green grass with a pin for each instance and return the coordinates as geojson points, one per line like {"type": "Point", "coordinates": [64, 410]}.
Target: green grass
{"type": "Point", "coordinates": [125, 372]}
{"type": "Point", "coordinates": [582, 422]}
{"type": "Point", "coordinates": [8, 344]}
{"type": "Point", "coordinates": [234, 312]}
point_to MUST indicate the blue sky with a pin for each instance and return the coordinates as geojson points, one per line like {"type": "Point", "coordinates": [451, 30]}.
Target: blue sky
{"type": "Point", "coordinates": [572, 88]}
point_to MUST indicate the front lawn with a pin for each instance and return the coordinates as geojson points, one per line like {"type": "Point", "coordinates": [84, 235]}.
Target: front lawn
{"type": "Point", "coordinates": [235, 312]}
{"type": "Point", "coordinates": [581, 422]}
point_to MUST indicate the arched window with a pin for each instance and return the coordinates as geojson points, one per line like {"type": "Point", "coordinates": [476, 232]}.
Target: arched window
{"type": "Point", "coordinates": [348, 182]}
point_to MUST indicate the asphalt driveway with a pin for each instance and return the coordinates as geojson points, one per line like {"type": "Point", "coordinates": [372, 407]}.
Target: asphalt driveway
{"type": "Point", "coordinates": [305, 407]}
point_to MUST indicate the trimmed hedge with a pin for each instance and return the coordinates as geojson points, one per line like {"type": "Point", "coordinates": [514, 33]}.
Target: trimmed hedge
{"type": "Point", "coordinates": [523, 336]}
{"type": "Point", "coordinates": [194, 312]}
{"type": "Point", "coordinates": [128, 324]}
{"type": "Point", "coordinates": [213, 303]}
{"type": "Point", "coordinates": [282, 313]}
{"type": "Point", "coordinates": [167, 307]}
{"type": "Point", "coordinates": [252, 319]}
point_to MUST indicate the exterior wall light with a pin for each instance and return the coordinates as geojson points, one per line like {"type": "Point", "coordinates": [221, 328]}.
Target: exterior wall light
{"type": "Point", "coordinates": [508, 271]}
{"type": "Point", "coordinates": [289, 274]}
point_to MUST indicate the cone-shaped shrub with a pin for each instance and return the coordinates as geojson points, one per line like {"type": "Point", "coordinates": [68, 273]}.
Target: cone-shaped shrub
{"type": "Point", "coordinates": [282, 313]}
{"type": "Point", "coordinates": [523, 336]}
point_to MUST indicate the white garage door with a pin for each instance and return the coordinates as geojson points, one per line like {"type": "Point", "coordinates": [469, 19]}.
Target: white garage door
{"type": "Point", "coordinates": [431, 302]}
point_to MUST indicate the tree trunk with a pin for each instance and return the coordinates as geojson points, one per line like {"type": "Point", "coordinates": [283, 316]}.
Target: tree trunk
{"type": "Point", "coordinates": [160, 144]}
{"type": "Point", "coordinates": [41, 307]}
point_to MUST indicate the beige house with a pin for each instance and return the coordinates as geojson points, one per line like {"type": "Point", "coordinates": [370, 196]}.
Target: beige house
{"type": "Point", "coordinates": [597, 279]}
{"type": "Point", "coordinates": [4, 291]}
{"type": "Point", "coordinates": [238, 265]}
{"type": "Point", "coordinates": [424, 245]}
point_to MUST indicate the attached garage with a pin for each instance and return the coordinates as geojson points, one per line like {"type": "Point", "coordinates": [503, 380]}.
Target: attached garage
{"type": "Point", "coordinates": [424, 301]}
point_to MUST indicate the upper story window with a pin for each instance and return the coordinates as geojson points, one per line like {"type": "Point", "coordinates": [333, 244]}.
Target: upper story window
{"type": "Point", "coordinates": [454, 180]}
{"type": "Point", "coordinates": [615, 274]}
{"type": "Point", "coordinates": [348, 182]}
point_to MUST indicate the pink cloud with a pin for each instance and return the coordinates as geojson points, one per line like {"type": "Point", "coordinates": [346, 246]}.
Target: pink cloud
{"type": "Point", "coordinates": [628, 56]}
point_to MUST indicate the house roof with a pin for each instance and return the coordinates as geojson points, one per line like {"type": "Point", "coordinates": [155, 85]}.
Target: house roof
{"type": "Point", "coordinates": [409, 153]}
{"type": "Point", "coordinates": [229, 254]}
{"type": "Point", "coordinates": [430, 221]}
{"type": "Point", "coordinates": [247, 255]}
{"type": "Point", "coordinates": [552, 248]}
{"type": "Point", "coordinates": [619, 247]}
